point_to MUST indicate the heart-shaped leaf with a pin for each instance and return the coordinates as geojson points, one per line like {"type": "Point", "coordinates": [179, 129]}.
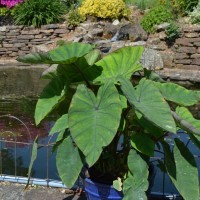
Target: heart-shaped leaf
{"type": "Point", "coordinates": [93, 121]}
{"type": "Point", "coordinates": [68, 162]}
{"type": "Point", "coordinates": [182, 169]}
{"type": "Point", "coordinates": [147, 99]}
{"type": "Point", "coordinates": [123, 62]}
{"type": "Point", "coordinates": [69, 53]}
{"type": "Point", "coordinates": [136, 184]}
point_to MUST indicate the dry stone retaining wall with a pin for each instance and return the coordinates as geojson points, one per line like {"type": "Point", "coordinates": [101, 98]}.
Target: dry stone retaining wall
{"type": "Point", "coordinates": [19, 40]}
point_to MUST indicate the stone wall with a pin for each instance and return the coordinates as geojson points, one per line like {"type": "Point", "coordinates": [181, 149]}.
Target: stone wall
{"type": "Point", "coordinates": [184, 53]}
{"type": "Point", "coordinates": [19, 40]}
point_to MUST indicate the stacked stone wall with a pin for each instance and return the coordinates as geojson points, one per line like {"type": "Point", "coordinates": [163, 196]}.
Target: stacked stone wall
{"type": "Point", "coordinates": [19, 40]}
{"type": "Point", "coordinates": [187, 48]}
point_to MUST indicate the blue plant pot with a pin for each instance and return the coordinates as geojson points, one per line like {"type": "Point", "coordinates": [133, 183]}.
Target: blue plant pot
{"type": "Point", "coordinates": [98, 191]}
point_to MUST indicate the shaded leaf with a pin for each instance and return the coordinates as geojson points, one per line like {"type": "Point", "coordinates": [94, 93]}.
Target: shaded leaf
{"type": "Point", "coordinates": [147, 99]}
{"type": "Point", "coordinates": [60, 125]}
{"type": "Point", "coordinates": [36, 58]}
{"type": "Point", "coordinates": [33, 158]}
{"type": "Point", "coordinates": [183, 170]}
{"type": "Point", "coordinates": [52, 94]}
{"type": "Point", "coordinates": [136, 184]}
{"type": "Point", "coordinates": [68, 162]}
{"type": "Point", "coordinates": [123, 62]}
{"type": "Point", "coordinates": [93, 121]}
{"type": "Point", "coordinates": [153, 76]}
{"type": "Point", "coordinates": [143, 143]}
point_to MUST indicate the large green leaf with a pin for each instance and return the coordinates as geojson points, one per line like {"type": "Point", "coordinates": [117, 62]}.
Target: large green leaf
{"type": "Point", "coordinates": [60, 125]}
{"type": "Point", "coordinates": [36, 58]}
{"type": "Point", "coordinates": [143, 143]}
{"type": "Point", "coordinates": [185, 114]}
{"type": "Point", "coordinates": [93, 121]}
{"type": "Point", "coordinates": [123, 62]}
{"type": "Point", "coordinates": [65, 54]}
{"type": "Point", "coordinates": [52, 94]}
{"type": "Point", "coordinates": [69, 53]}
{"type": "Point", "coordinates": [149, 127]}
{"type": "Point", "coordinates": [178, 94]}
{"type": "Point", "coordinates": [183, 170]}
{"type": "Point", "coordinates": [147, 99]}
{"type": "Point", "coordinates": [136, 184]}
{"type": "Point", "coordinates": [68, 162]}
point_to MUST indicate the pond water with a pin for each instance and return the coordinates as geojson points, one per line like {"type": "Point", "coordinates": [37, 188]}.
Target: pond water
{"type": "Point", "coordinates": [17, 125]}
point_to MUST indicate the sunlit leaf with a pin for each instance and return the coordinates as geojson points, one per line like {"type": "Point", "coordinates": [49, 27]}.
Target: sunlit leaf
{"type": "Point", "coordinates": [153, 107]}
{"type": "Point", "coordinates": [178, 94]}
{"type": "Point", "coordinates": [94, 120]}
{"type": "Point", "coordinates": [123, 62]}
{"type": "Point", "coordinates": [60, 125]}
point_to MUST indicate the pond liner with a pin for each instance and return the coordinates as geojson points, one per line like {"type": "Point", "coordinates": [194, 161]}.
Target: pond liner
{"type": "Point", "coordinates": [33, 181]}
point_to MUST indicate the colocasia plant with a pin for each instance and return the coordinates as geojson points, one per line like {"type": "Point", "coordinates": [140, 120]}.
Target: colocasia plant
{"type": "Point", "coordinates": [100, 104]}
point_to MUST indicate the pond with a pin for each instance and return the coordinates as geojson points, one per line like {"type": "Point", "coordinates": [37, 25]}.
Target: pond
{"type": "Point", "coordinates": [19, 89]}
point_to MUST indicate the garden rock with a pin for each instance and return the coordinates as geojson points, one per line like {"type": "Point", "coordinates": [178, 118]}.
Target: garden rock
{"type": "Point", "coordinates": [151, 59]}
{"type": "Point", "coordinates": [162, 27]}
{"type": "Point", "coordinates": [133, 32]}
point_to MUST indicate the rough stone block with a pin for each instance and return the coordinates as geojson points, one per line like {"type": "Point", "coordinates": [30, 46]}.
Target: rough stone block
{"type": "Point", "coordinates": [197, 44]}
{"type": "Point", "coordinates": [30, 32]}
{"type": "Point", "coordinates": [13, 33]}
{"type": "Point", "coordinates": [61, 31]}
{"type": "Point", "coordinates": [26, 37]}
{"type": "Point", "coordinates": [13, 27]}
{"type": "Point", "coordinates": [196, 61]}
{"type": "Point", "coordinates": [38, 36]}
{"type": "Point", "coordinates": [189, 50]}
{"type": "Point", "coordinates": [179, 56]}
{"type": "Point", "coordinates": [191, 35]}
{"type": "Point", "coordinates": [6, 45]}
{"type": "Point", "coordinates": [2, 28]}
{"type": "Point", "coordinates": [188, 67]}
{"type": "Point", "coordinates": [19, 41]}
{"type": "Point", "coordinates": [40, 40]}
{"type": "Point", "coordinates": [183, 61]}
{"type": "Point", "coordinates": [183, 42]}
{"type": "Point", "coordinates": [19, 45]}
{"type": "Point", "coordinates": [196, 55]}
{"type": "Point", "coordinates": [50, 26]}
{"type": "Point", "coordinates": [13, 54]}
{"type": "Point", "coordinates": [2, 49]}
{"type": "Point", "coordinates": [49, 31]}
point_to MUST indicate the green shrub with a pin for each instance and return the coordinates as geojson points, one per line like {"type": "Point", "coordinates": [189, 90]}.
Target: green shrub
{"type": "Point", "coordinates": [156, 16]}
{"type": "Point", "coordinates": [142, 4]}
{"type": "Point", "coordinates": [38, 12]}
{"type": "Point", "coordinates": [172, 32]}
{"type": "Point", "coordinates": [112, 9]}
{"type": "Point", "coordinates": [195, 15]}
{"type": "Point", "coordinates": [74, 18]}
{"type": "Point", "coordinates": [4, 11]}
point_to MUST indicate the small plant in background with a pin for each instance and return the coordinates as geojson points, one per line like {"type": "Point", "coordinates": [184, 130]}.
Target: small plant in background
{"type": "Point", "coordinates": [104, 9]}
{"type": "Point", "coordinates": [74, 18]}
{"type": "Point", "coordinates": [195, 15]}
{"type": "Point", "coordinates": [38, 12]}
{"type": "Point", "coordinates": [142, 4]}
{"type": "Point", "coordinates": [156, 16]}
{"type": "Point", "coordinates": [4, 11]}
{"type": "Point", "coordinates": [172, 32]}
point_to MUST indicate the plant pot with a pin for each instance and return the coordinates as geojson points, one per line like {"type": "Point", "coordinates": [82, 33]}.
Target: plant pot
{"type": "Point", "coordinates": [99, 191]}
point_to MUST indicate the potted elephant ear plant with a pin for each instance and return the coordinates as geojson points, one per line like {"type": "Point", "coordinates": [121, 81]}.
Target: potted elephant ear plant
{"type": "Point", "coordinates": [111, 122]}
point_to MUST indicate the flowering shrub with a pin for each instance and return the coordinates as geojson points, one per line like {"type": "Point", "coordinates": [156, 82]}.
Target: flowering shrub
{"type": "Point", "coordinates": [10, 3]}
{"type": "Point", "coordinates": [103, 8]}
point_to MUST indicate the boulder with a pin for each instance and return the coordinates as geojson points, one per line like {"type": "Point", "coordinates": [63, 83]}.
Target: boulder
{"type": "Point", "coordinates": [151, 59]}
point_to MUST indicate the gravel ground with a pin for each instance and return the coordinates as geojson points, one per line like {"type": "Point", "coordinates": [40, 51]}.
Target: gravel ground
{"type": "Point", "coordinates": [14, 191]}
